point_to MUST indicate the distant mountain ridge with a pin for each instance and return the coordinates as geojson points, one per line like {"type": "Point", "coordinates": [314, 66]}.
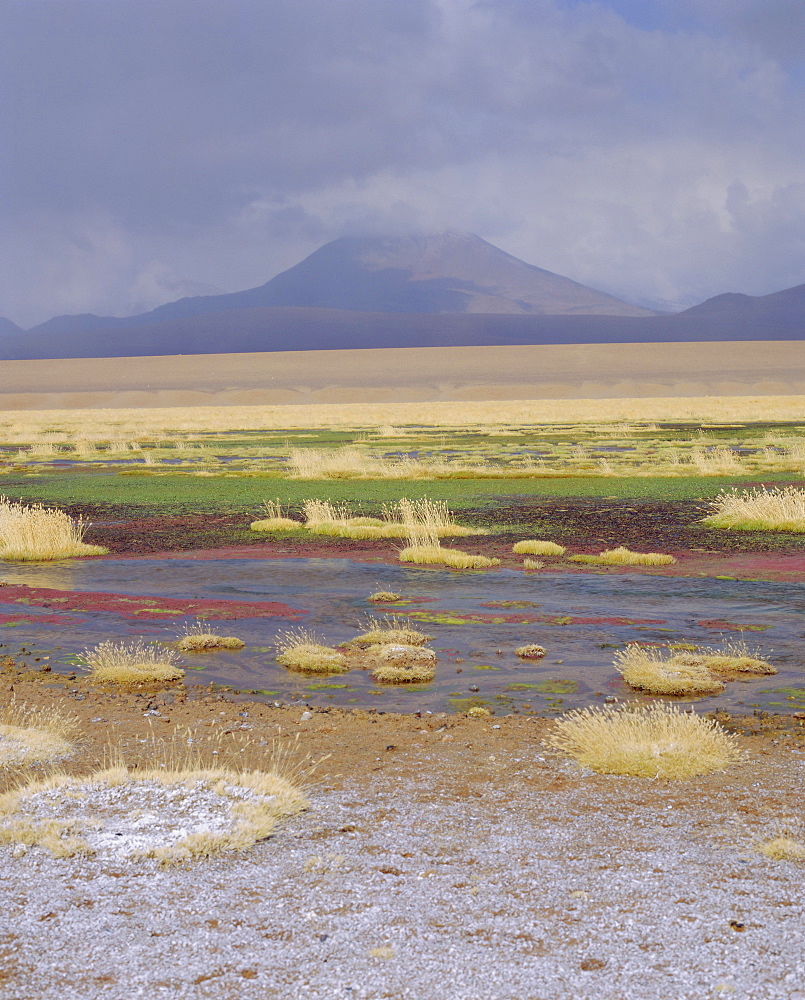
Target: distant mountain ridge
{"type": "Point", "coordinates": [417, 291]}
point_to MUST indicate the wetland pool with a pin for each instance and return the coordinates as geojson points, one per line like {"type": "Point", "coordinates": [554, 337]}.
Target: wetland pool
{"type": "Point", "coordinates": [477, 620]}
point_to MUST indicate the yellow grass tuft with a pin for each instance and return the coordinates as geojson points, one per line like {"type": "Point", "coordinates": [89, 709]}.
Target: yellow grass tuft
{"type": "Point", "coordinates": [783, 848]}
{"type": "Point", "coordinates": [653, 670]}
{"type": "Point", "coordinates": [300, 650]}
{"type": "Point", "coordinates": [31, 533]}
{"type": "Point", "coordinates": [276, 519]}
{"type": "Point", "coordinates": [536, 547]}
{"type": "Point", "coordinates": [759, 510]}
{"type": "Point", "coordinates": [624, 557]}
{"type": "Point", "coordinates": [733, 657]}
{"type": "Point", "coordinates": [533, 564]}
{"type": "Point", "coordinates": [384, 597]}
{"type": "Point", "coordinates": [424, 547]}
{"type": "Point", "coordinates": [531, 651]}
{"type": "Point", "coordinates": [131, 663]}
{"type": "Point", "coordinates": [478, 712]}
{"type": "Point", "coordinates": [166, 814]}
{"type": "Point", "coordinates": [657, 741]}
{"type": "Point", "coordinates": [207, 641]}
{"type": "Point", "coordinates": [35, 735]}
{"type": "Point", "coordinates": [389, 632]}
{"type": "Point", "coordinates": [402, 664]}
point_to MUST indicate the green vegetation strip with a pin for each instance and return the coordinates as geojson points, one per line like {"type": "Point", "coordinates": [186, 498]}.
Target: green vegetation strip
{"type": "Point", "coordinates": [187, 492]}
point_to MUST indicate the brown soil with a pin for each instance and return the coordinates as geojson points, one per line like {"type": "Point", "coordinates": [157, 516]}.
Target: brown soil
{"type": "Point", "coordinates": [344, 746]}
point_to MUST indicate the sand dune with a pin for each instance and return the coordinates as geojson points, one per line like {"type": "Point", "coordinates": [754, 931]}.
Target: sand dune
{"type": "Point", "coordinates": [578, 371]}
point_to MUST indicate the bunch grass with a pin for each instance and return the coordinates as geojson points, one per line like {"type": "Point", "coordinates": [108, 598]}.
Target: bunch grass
{"type": "Point", "coordinates": [402, 664]}
{"type": "Point", "coordinates": [31, 533]}
{"type": "Point", "coordinates": [538, 547]}
{"type": "Point", "coordinates": [657, 672]}
{"type": "Point", "coordinates": [622, 556]}
{"type": "Point", "coordinates": [657, 741]}
{"type": "Point", "coordinates": [131, 663]}
{"type": "Point", "coordinates": [302, 651]}
{"type": "Point", "coordinates": [759, 509]}
{"type": "Point", "coordinates": [31, 735]}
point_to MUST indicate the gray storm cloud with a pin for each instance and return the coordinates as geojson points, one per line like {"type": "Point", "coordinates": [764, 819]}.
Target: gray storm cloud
{"type": "Point", "coordinates": [157, 148]}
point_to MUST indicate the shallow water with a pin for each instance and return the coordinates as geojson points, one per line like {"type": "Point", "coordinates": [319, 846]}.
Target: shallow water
{"type": "Point", "coordinates": [580, 619]}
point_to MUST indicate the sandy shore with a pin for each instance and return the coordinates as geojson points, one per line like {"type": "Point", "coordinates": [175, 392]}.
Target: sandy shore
{"type": "Point", "coordinates": [580, 371]}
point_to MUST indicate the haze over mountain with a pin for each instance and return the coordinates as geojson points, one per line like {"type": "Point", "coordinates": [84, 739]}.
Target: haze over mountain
{"type": "Point", "coordinates": [416, 291]}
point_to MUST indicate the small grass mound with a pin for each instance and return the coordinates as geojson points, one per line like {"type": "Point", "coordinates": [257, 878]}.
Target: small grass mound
{"type": "Point", "coordinates": [34, 736]}
{"type": "Point", "coordinates": [301, 650]}
{"type": "Point", "coordinates": [533, 564]}
{"type": "Point", "coordinates": [783, 848]}
{"type": "Point", "coordinates": [758, 510]}
{"type": "Point", "coordinates": [731, 660]}
{"type": "Point", "coordinates": [402, 664]}
{"type": "Point", "coordinates": [389, 631]}
{"type": "Point", "coordinates": [436, 555]}
{"type": "Point", "coordinates": [276, 524]}
{"type": "Point", "coordinates": [479, 712]}
{"type": "Point", "coordinates": [536, 547]}
{"type": "Point", "coordinates": [33, 533]}
{"type": "Point", "coordinates": [169, 815]}
{"type": "Point", "coordinates": [531, 651]}
{"type": "Point", "coordinates": [131, 663]}
{"type": "Point", "coordinates": [624, 557]}
{"type": "Point", "coordinates": [203, 642]}
{"type": "Point", "coordinates": [657, 741]}
{"type": "Point", "coordinates": [384, 597]}
{"type": "Point", "coordinates": [653, 670]}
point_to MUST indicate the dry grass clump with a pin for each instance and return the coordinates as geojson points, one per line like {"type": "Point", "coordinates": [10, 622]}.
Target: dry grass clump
{"type": "Point", "coordinates": [733, 657]}
{"type": "Point", "coordinates": [167, 814]}
{"type": "Point", "coordinates": [402, 664]}
{"type": "Point", "coordinates": [389, 632]}
{"type": "Point", "coordinates": [533, 564]}
{"type": "Point", "coordinates": [198, 639]}
{"type": "Point", "coordinates": [384, 597]}
{"type": "Point", "coordinates": [653, 670]}
{"type": "Point", "coordinates": [424, 547]}
{"type": "Point", "coordinates": [531, 651]}
{"type": "Point", "coordinates": [399, 520]}
{"type": "Point", "coordinates": [35, 735]}
{"type": "Point", "coordinates": [131, 663]}
{"type": "Point", "coordinates": [624, 557]}
{"type": "Point", "coordinates": [478, 712]}
{"type": "Point", "coordinates": [301, 650]}
{"type": "Point", "coordinates": [537, 547]}
{"type": "Point", "coordinates": [783, 847]}
{"type": "Point", "coordinates": [30, 533]}
{"type": "Point", "coordinates": [275, 519]}
{"type": "Point", "coordinates": [657, 741]}
{"type": "Point", "coordinates": [759, 510]}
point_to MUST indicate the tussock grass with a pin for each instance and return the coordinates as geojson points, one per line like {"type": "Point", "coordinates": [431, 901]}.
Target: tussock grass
{"type": "Point", "coordinates": [35, 735]}
{"type": "Point", "coordinates": [478, 712]}
{"type": "Point", "coordinates": [198, 640]}
{"type": "Point", "coordinates": [655, 671]}
{"type": "Point", "coordinates": [131, 663]}
{"type": "Point", "coordinates": [170, 814]}
{"type": "Point", "coordinates": [537, 547]}
{"type": "Point", "coordinates": [300, 650]}
{"type": "Point", "coordinates": [624, 557]}
{"type": "Point", "coordinates": [759, 510]}
{"type": "Point", "coordinates": [402, 664]}
{"type": "Point", "coordinates": [384, 597]}
{"type": "Point", "coordinates": [783, 847]}
{"type": "Point", "coordinates": [389, 632]}
{"type": "Point", "coordinates": [533, 564]}
{"type": "Point", "coordinates": [732, 658]}
{"type": "Point", "coordinates": [531, 651]}
{"type": "Point", "coordinates": [399, 520]}
{"type": "Point", "coordinates": [32, 533]}
{"type": "Point", "coordinates": [657, 741]}
{"type": "Point", "coordinates": [436, 555]}
{"type": "Point", "coordinates": [276, 519]}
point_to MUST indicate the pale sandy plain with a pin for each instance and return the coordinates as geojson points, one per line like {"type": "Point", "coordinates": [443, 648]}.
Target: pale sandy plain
{"type": "Point", "coordinates": [577, 371]}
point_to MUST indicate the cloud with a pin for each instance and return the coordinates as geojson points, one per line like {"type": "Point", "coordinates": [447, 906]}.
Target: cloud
{"type": "Point", "coordinates": [190, 145]}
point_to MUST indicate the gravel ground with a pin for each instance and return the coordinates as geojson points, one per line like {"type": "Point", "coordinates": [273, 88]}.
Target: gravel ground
{"type": "Point", "coordinates": [450, 873]}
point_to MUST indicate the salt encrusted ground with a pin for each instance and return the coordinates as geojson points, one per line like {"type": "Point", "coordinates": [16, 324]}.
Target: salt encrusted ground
{"type": "Point", "coordinates": [441, 860]}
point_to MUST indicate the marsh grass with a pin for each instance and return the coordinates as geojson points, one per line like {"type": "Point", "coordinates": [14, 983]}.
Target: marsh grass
{"type": "Point", "coordinates": [624, 557]}
{"type": "Point", "coordinates": [731, 659]}
{"type": "Point", "coordinates": [657, 672]}
{"type": "Point", "coordinates": [531, 651]}
{"type": "Point", "coordinates": [388, 631]}
{"type": "Point", "coordinates": [199, 639]}
{"type": "Point", "coordinates": [658, 741]}
{"type": "Point", "coordinates": [35, 735]}
{"type": "Point", "coordinates": [302, 651]}
{"type": "Point", "coordinates": [399, 520]}
{"type": "Point", "coordinates": [275, 519]}
{"type": "Point", "coordinates": [537, 547]}
{"type": "Point", "coordinates": [131, 663]}
{"type": "Point", "coordinates": [32, 533]}
{"type": "Point", "coordinates": [402, 664]}
{"type": "Point", "coordinates": [384, 597]}
{"type": "Point", "coordinates": [529, 564]}
{"type": "Point", "coordinates": [759, 510]}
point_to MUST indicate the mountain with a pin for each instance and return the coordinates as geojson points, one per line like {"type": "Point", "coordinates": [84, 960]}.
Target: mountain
{"type": "Point", "coordinates": [783, 310]}
{"type": "Point", "coordinates": [414, 274]}
{"type": "Point", "coordinates": [8, 328]}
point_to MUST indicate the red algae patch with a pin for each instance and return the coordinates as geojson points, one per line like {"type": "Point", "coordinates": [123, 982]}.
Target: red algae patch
{"type": "Point", "coordinates": [141, 608]}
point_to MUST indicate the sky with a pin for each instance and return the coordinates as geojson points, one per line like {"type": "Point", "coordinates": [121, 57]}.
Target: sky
{"type": "Point", "coordinates": [151, 149]}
